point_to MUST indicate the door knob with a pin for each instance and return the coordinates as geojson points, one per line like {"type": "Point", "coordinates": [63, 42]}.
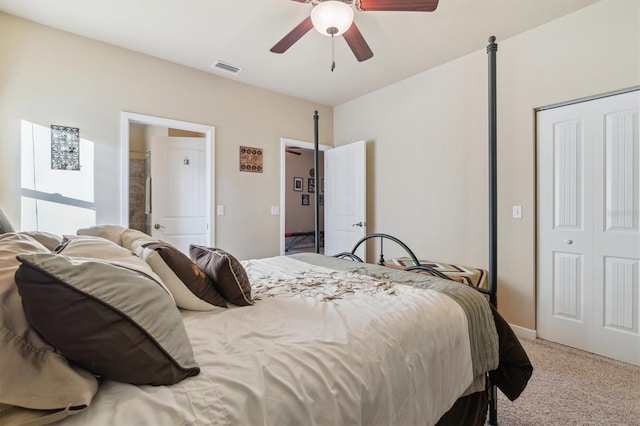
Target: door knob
{"type": "Point", "coordinates": [360, 224]}
{"type": "Point", "coordinates": [158, 226]}
{"type": "Point", "coordinates": [567, 241]}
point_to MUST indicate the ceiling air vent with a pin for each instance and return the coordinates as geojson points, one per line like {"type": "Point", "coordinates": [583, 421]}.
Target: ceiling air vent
{"type": "Point", "coordinates": [228, 68]}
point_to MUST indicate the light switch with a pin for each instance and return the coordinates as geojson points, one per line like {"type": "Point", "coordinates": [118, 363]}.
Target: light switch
{"type": "Point", "coordinates": [275, 210]}
{"type": "Point", "coordinates": [220, 210]}
{"type": "Point", "coordinates": [517, 212]}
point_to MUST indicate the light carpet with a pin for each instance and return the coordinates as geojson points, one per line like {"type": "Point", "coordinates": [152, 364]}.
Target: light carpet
{"type": "Point", "coordinates": [572, 387]}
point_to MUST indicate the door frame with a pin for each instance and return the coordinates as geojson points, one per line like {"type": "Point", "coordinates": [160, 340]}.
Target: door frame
{"type": "Point", "coordinates": [287, 143]}
{"type": "Point", "coordinates": [126, 119]}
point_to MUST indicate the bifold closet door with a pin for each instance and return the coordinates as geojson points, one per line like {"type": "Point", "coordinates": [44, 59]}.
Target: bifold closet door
{"type": "Point", "coordinates": [588, 196]}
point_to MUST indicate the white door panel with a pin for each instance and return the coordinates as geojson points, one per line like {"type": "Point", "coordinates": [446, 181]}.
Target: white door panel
{"type": "Point", "coordinates": [345, 198]}
{"type": "Point", "coordinates": [616, 235]}
{"type": "Point", "coordinates": [588, 236]}
{"type": "Point", "coordinates": [179, 202]}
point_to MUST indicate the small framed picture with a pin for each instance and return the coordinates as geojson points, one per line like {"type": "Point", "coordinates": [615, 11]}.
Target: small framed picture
{"type": "Point", "coordinates": [321, 200]}
{"type": "Point", "coordinates": [297, 184]}
{"type": "Point", "coordinates": [311, 184]}
{"type": "Point", "coordinates": [322, 185]}
{"type": "Point", "coordinates": [305, 199]}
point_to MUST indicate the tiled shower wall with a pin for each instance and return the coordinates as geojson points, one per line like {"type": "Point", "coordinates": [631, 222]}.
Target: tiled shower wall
{"type": "Point", "coordinates": [137, 175]}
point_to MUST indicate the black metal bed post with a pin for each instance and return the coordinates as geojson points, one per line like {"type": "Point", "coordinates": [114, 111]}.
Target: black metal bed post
{"type": "Point", "coordinates": [316, 177]}
{"type": "Point", "coordinates": [492, 48]}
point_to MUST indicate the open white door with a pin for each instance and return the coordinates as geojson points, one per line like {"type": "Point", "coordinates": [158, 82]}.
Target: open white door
{"type": "Point", "coordinates": [345, 188]}
{"type": "Point", "coordinates": [179, 213]}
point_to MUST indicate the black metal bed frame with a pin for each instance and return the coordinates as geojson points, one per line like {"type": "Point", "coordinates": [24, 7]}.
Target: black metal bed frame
{"type": "Point", "coordinates": [491, 292]}
{"type": "Point", "coordinates": [416, 264]}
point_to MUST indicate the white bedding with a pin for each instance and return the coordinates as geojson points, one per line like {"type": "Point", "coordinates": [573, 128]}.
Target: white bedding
{"type": "Point", "coordinates": [332, 348]}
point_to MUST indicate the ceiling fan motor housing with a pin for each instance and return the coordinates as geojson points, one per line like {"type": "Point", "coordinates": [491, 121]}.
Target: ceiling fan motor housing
{"type": "Point", "coordinates": [332, 17]}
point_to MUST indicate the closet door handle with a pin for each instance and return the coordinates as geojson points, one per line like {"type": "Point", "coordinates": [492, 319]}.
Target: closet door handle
{"type": "Point", "coordinates": [158, 226]}
{"type": "Point", "coordinates": [568, 241]}
{"type": "Point", "coordinates": [360, 224]}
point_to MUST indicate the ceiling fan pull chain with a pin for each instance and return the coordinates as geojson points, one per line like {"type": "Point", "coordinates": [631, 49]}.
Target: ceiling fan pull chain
{"type": "Point", "coordinates": [333, 53]}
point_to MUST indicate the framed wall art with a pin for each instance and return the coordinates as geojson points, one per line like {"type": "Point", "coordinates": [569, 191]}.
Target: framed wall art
{"type": "Point", "coordinates": [65, 148]}
{"type": "Point", "coordinates": [250, 159]}
{"type": "Point", "coordinates": [297, 184]}
{"type": "Point", "coordinates": [305, 199]}
{"type": "Point", "coordinates": [311, 185]}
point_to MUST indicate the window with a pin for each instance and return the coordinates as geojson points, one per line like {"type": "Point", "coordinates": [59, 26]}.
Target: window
{"type": "Point", "coordinates": [57, 201]}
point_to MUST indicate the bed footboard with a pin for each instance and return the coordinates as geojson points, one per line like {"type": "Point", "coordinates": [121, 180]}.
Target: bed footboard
{"type": "Point", "coordinates": [381, 261]}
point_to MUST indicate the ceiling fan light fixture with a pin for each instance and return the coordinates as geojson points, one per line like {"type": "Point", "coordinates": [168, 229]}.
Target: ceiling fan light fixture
{"type": "Point", "coordinates": [332, 17]}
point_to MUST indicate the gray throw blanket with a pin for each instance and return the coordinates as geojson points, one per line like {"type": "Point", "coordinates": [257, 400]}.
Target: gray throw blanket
{"type": "Point", "coordinates": [482, 331]}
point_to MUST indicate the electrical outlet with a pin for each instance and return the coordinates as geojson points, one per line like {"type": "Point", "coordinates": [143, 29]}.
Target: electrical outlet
{"type": "Point", "coordinates": [275, 210]}
{"type": "Point", "coordinates": [220, 210]}
{"type": "Point", "coordinates": [517, 212]}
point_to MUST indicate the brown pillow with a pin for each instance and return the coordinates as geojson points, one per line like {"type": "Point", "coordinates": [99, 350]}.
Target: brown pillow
{"type": "Point", "coordinates": [113, 321]}
{"type": "Point", "coordinates": [225, 271]}
{"type": "Point", "coordinates": [32, 374]}
{"type": "Point", "coordinates": [190, 287]}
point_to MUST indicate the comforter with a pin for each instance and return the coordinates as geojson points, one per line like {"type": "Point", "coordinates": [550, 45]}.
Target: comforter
{"type": "Point", "coordinates": [321, 346]}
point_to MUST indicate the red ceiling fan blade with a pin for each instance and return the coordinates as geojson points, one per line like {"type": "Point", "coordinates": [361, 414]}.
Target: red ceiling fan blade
{"type": "Point", "coordinates": [357, 43]}
{"type": "Point", "coordinates": [397, 5]}
{"type": "Point", "coordinates": [295, 35]}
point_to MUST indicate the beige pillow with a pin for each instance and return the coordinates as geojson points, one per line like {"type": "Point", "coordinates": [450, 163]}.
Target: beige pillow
{"type": "Point", "coordinates": [32, 374]}
{"type": "Point", "coordinates": [50, 241]}
{"type": "Point", "coordinates": [109, 232]}
{"type": "Point", "coordinates": [103, 249]}
{"type": "Point", "coordinates": [227, 274]}
{"type": "Point", "coordinates": [114, 321]}
{"type": "Point", "coordinates": [132, 239]}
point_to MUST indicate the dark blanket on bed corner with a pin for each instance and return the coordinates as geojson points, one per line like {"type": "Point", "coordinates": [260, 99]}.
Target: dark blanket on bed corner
{"type": "Point", "coordinates": [514, 369]}
{"type": "Point", "coordinates": [511, 377]}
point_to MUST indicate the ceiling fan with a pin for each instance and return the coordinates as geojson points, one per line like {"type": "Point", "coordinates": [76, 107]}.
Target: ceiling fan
{"type": "Point", "coordinates": [335, 17]}
{"type": "Point", "coordinates": [292, 150]}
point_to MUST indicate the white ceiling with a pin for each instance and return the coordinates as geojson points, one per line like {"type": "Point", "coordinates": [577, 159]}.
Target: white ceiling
{"type": "Point", "coordinates": [196, 33]}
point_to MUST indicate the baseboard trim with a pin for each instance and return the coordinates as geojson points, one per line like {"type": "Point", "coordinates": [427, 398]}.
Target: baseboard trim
{"type": "Point", "coordinates": [524, 333]}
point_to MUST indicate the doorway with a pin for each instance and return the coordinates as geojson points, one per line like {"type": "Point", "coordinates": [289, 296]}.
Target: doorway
{"type": "Point", "coordinates": [298, 189]}
{"type": "Point", "coordinates": [130, 120]}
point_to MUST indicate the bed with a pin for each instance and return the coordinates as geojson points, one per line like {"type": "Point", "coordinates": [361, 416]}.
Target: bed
{"type": "Point", "coordinates": [112, 327]}
{"type": "Point", "coordinates": [303, 339]}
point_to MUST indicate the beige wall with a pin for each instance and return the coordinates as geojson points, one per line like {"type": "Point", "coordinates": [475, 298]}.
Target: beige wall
{"type": "Point", "coordinates": [52, 77]}
{"type": "Point", "coordinates": [427, 165]}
